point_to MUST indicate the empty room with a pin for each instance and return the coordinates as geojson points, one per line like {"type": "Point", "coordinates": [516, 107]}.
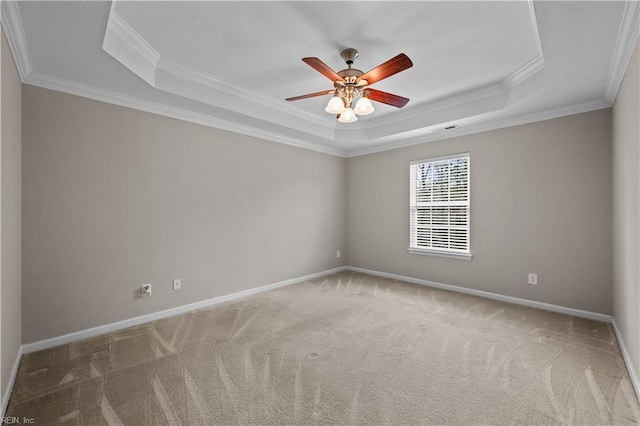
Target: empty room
{"type": "Point", "coordinates": [319, 212]}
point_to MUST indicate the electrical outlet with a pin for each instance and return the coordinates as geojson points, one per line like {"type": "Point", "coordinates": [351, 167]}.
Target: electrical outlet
{"type": "Point", "coordinates": [338, 254]}
{"type": "Point", "coordinates": [145, 290]}
{"type": "Point", "coordinates": [177, 284]}
{"type": "Point", "coordinates": [533, 279]}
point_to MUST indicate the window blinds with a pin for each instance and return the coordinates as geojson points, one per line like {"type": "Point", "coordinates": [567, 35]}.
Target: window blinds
{"type": "Point", "coordinates": [440, 204]}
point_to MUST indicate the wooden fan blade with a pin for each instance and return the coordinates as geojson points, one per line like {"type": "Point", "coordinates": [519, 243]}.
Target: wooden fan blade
{"type": "Point", "coordinates": [387, 98]}
{"type": "Point", "coordinates": [387, 69]}
{"type": "Point", "coordinates": [322, 68]}
{"type": "Point", "coordinates": [310, 95]}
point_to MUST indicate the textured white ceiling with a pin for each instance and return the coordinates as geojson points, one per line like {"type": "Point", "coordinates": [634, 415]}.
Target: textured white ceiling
{"type": "Point", "coordinates": [231, 64]}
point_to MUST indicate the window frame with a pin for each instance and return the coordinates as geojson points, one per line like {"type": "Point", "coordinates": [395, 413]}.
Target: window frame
{"type": "Point", "coordinates": [442, 252]}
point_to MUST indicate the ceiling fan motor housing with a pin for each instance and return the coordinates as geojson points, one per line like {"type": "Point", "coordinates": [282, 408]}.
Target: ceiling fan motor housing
{"type": "Point", "coordinates": [349, 55]}
{"type": "Point", "coordinates": [350, 74]}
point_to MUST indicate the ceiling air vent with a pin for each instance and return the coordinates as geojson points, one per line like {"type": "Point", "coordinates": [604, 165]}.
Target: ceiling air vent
{"type": "Point", "coordinates": [446, 128]}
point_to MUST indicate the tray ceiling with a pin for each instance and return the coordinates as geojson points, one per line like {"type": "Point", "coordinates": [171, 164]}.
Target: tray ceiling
{"type": "Point", "coordinates": [478, 65]}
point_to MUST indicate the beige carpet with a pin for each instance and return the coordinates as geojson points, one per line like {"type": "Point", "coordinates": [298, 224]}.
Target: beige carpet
{"type": "Point", "coordinates": [342, 349]}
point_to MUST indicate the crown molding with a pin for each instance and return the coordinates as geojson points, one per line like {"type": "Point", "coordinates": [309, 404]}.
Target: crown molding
{"type": "Point", "coordinates": [182, 72]}
{"type": "Point", "coordinates": [578, 108]}
{"type": "Point", "coordinates": [73, 88]}
{"type": "Point", "coordinates": [90, 92]}
{"type": "Point", "coordinates": [134, 51]}
{"type": "Point", "coordinates": [501, 89]}
{"type": "Point", "coordinates": [626, 42]}
{"type": "Point", "coordinates": [534, 25]}
{"type": "Point", "coordinates": [14, 30]}
{"type": "Point", "coordinates": [480, 100]}
{"type": "Point", "coordinates": [128, 47]}
{"type": "Point", "coordinates": [528, 70]}
{"type": "Point", "coordinates": [144, 53]}
{"type": "Point", "coordinates": [135, 40]}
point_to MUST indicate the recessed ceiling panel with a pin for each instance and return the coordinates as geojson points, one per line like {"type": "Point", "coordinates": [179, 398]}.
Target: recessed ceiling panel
{"type": "Point", "coordinates": [246, 56]}
{"type": "Point", "coordinates": [231, 64]}
{"type": "Point", "coordinates": [258, 45]}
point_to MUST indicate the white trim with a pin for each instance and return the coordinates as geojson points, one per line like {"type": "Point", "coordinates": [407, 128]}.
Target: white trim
{"type": "Point", "coordinates": [438, 253]}
{"type": "Point", "coordinates": [534, 26]}
{"type": "Point", "coordinates": [124, 44]}
{"type": "Point", "coordinates": [90, 92]}
{"type": "Point", "coordinates": [463, 130]}
{"type": "Point", "coordinates": [509, 299]}
{"type": "Point", "coordinates": [529, 69]}
{"type": "Point", "coordinates": [440, 158]}
{"type": "Point", "coordinates": [134, 50]}
{"type": "Point", "coordinates": [182, 72]}
{"type": "Point", "coordinates": [128, 47]}
{"type": "Point", "coordinates": [536, 64]}
{"type": "Point", "coordinates": [12, 25]}
{"type": "Point", "coordinates": [12, 378]}
{"type": "Point", "coordinates": [72, 337]}
{"type": "Point", "coordinates": [627, 359]}
{"type": "Point", "coordinates": [14, 30]}
{"type": "Point", "coordinates": [627, 38]}
{"type": "Point", "coordinates": [108, 328]}
{"type": "Point", "coordinates": [475, 101]}
{"type": "Point", "coordinates": [481, 100]}
{"type": "Point", "coordinates": [414, 206]}
{"type": "Point", "coordinates": [138, 44]}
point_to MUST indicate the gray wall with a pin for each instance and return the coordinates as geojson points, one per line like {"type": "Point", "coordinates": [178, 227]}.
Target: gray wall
{"type": "Point", "coordinates": [626, 209]}
{"type": "Point", "coordinates": [114, 198]}
{"type": "Point", "coordinates": [11, 212]}
{"type": "Point", "coordinates": [540, 202]}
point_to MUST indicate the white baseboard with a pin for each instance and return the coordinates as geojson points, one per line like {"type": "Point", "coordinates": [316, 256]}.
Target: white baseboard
{"type": "Point", "coordinates": [108, 328]}
{"type": "Point", "coordinates": [627, 359]}
{"type": "Point", "coordinates": [635, 381]}
{"type": "Point", "coordinates": [95, 331]}
{"type": "Point", "coordinates": [12, 378]}
{"type": "Point", "coordinates": [488, 295]}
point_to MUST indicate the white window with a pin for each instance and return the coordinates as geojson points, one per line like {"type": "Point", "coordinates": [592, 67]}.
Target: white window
{"type": "Point", "coordinates": [439, 206]}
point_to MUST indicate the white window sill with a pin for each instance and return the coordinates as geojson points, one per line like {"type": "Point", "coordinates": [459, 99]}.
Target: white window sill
{"type": "Point", "coordinates": [452, 255]}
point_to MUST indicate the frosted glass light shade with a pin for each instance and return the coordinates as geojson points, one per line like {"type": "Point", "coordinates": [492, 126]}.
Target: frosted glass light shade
{"type": "Point", "coordinates": [335, 105]}
{"type": "Point", "coordinates": [363, 106]}
{"type": "Point", "coordinates": [348, 116]}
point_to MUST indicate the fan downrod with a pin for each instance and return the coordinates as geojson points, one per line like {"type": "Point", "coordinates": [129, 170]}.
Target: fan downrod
{"type": "Point", "coordinates": [349, 55]}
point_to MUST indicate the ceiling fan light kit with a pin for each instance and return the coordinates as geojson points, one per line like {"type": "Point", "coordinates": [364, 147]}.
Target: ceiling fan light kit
{"type": "Point", "coordinates": [348, 116]}
{"type": "Point", "coordinates": [363, 106]}
{"type": "Point", "coordinates": [335, 105]}
{"type": "Point", "coordinates": [351, 84]}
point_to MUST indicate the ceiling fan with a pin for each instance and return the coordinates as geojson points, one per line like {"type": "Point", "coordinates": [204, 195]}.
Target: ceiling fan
{"type": "Point", "coordinates": [351, 84]}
